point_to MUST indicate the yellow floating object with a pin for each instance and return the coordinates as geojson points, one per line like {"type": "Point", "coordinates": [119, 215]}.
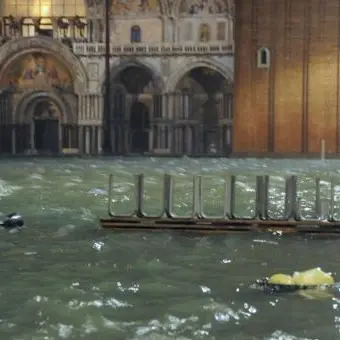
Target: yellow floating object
{"type": "Point", "coordinates": [312, 277]}
{"type": "Point", "coordinates": [281, 279]}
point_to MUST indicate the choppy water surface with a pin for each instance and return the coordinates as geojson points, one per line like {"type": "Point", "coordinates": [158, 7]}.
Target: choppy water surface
{"type": "Point", "coordinates": [63, 278]}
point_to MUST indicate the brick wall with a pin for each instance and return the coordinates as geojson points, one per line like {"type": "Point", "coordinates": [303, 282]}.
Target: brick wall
{"type": "Point", "coordinates": [292, 105]}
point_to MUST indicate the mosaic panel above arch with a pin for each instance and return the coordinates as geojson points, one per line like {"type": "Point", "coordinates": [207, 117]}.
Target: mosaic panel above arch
{"type": "Point", "coordinates": [36, 70]}
{"type": "Point", "coordinates": [136, 7]}
{"type": "Point", "coordinates": [205, 7]}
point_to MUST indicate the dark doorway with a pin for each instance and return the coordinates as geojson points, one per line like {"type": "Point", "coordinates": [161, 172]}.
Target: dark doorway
{"type": "Point", "coordinates": [206, 108]}
{"type": "Point", "coordinates": [46, 135]}
{"type": "Point", "coordinates": [135, 79]}
{"type": "Point", "coordinates": [117, 118]}
{"type": "Point", "coordinates": [210, 127]}
{"type": "Point", "coordinates": [140, 125]}
{"type": "Point", "coordinates": [46, 127]}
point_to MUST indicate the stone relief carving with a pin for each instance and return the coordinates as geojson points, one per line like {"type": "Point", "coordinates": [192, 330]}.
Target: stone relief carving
{"type": "Point", "coordinates": [128, 7]}
{"type": "Point", "coordinates": [201, 7]}
{"type": "Point", "coordinates": [94, 8]}
{"type": "Point", "coordinates": [93, 71]}
{"type": "Point", "coordinates": [165, 66]}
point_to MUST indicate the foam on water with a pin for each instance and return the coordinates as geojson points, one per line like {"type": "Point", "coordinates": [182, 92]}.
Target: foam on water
{"type": "Point", "coordinates": [279, 335]}
{"type": "Point", "coordinates": [37, 176]}
{"type": "Point", "coordinates": [7, 189]}
{"type": "Point", "coordinates": [98, 191]}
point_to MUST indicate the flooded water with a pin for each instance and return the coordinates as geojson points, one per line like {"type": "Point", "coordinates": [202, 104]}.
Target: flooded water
{"type": "Point", "coordinates": [64, 278]}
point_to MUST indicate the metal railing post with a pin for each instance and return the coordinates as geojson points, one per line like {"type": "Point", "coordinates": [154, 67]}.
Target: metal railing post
{"type": "Point", "coordinates": [265, 197]}
{"type": "Point", "coordinates": [331, 208]}
{"type": "Point", "coordinates": [197, 197]}
{"type": "Point", "coordinates": [139, 191]}
{"type": "Point", "coordinates": [229, 196]}
{"type": "Point", "coordinates": [262, 197]}
{"type": "Point", "coordinates": [167, 196]}
{"type": "Point", "coordinates": [317, 203]}
{"type": "Point", "coordinates": [109, 194]}
{"type": "Point", "coordinates": [292, 204]}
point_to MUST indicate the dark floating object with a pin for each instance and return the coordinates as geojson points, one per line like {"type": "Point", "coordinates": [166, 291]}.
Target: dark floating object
{"type": "Point", "coordinates": [269, 288]}
{"type": "Point", "coordinates": [13, 220]}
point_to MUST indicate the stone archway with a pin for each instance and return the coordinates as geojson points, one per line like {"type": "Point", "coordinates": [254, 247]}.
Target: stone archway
{"type": "Point", "coordinates": [142, 70]}
{"type": "Point", "coordinates": [40, 82]}
{"type": "Point", "coordinates": [24, 110]}
{"type": "Point", "coordinates": [133, 89]}
{"type": "Point", "coordinates": [193, 63]}
{"type": "Point", "coordinates": [44, 114]}
{"type": "Point", "coordinates": [46, 126]}
{"type": "Point", "coordinates": [202, 99]}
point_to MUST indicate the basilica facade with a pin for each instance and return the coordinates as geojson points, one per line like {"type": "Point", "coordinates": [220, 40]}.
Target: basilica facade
{"type": "Point", "coordinates": [171, 76]}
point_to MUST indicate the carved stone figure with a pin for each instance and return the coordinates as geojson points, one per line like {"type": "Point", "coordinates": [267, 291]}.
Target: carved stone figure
{"type": "Point", "coordinates": [128, 7]}
{"type": "Point", "coordinates": [204, 7]}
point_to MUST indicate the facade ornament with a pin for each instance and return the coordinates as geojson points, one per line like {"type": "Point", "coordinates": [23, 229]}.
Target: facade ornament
{"type": "Point", "coordinates": [63, 23]}
{"type": "Point", "coordinates": [94, 8]}
{"type": "Point", "coordinates": [14, 24]}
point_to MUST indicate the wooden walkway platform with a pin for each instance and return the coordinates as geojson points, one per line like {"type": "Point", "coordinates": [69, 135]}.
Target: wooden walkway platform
{"type": "Point", "coordinates": [324, 219]}
{"type": "Point", "coordinates": [220, 226]}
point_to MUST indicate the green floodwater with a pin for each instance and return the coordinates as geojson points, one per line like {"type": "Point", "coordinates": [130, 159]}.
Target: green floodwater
{"type": "Point", "coordinates": [64, 278]}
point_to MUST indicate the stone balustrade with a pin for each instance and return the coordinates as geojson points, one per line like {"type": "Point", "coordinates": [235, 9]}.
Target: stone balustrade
{"type": "Point", "coordinates": [144, 49]}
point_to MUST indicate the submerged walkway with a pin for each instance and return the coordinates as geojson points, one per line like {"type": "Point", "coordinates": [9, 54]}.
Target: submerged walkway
{"type": "Point", "coordinates": [291, 221]}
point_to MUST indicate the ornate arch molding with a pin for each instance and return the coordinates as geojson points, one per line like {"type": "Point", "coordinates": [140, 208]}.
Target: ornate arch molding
{"type": "Point", "coordinates": [116, 69]}
{"type": "Point", "coordinates": [33, 97]}
{"type": "Point", "coordinates": [193, 63]}
{"type": "Point", "coordinates": [15, 48]}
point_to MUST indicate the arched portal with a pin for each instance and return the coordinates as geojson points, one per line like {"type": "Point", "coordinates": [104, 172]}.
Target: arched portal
{"type": "Point", "coordinates": [43, 103]}
{"type": "Point", "coordinates": [134, 87]}
{"type": "Point", "coordinates": [45, 123]}
{"type": "Point", "coordinates": [46, 128]}
{"type": "Point", "coordinates": [203, 100]}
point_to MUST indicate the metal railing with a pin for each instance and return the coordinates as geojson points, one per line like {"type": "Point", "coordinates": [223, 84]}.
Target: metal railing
{"type": "Point", "coordinates": [323, 208]}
